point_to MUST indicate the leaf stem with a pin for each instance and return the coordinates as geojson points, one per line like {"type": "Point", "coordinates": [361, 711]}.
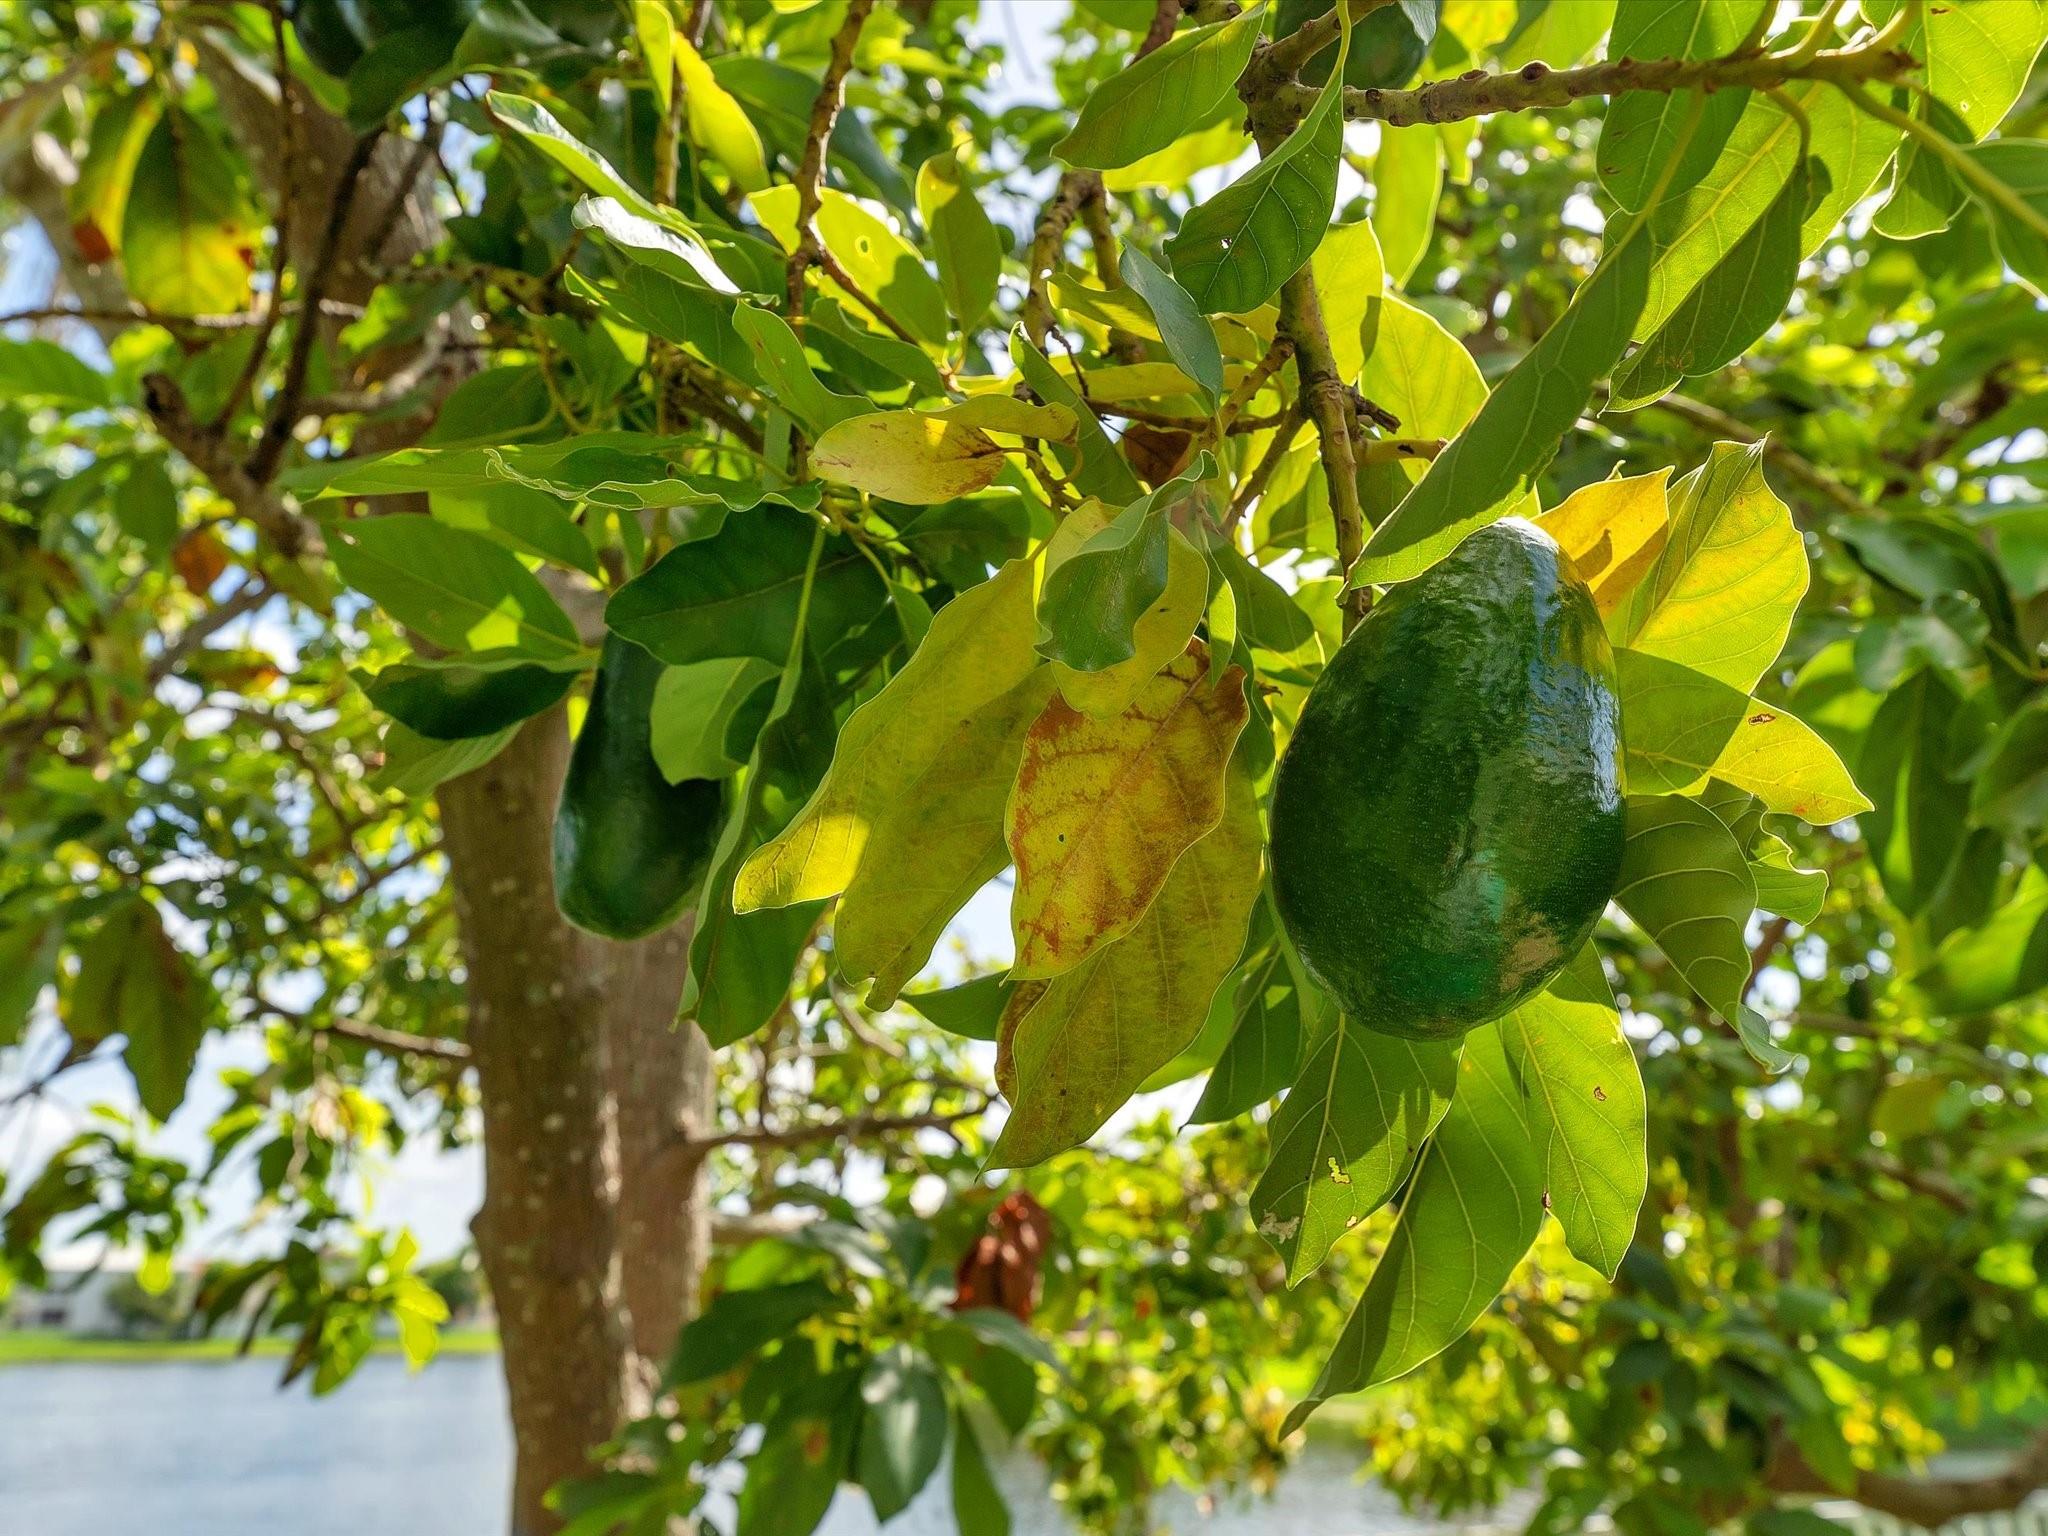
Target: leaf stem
{"type": "Point", "coordinates": [1974, 176]}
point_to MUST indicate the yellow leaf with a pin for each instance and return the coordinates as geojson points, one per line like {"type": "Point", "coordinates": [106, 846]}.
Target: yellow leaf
{"type": "Point", "coordinates": [907, 456]}
{"type": "Point", "coordinates": [1612, 530]}
{"type": "Point", "coordinates": [1103, 808]}
{"type": "Point", "coordinates": [719, 125]}
{"type": "Point", "coordinates": [1721, 595]}
{"type": "Point", "coordinates": [883, 265]}
{"type": "Point", "coordinates": [1422, 373]}
{"type": "Point", "coordinates": [1074, 1049]}
{"type": "Point", "coordinates": [1006, 413]}
{"type": "Point", "coordinates": [911, 809]}
{"type": "Point", "coordinates": [1161, 633]}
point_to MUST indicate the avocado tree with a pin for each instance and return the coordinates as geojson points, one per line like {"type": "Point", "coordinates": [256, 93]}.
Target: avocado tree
{"type": "Point", "coordinates": [552, 550]}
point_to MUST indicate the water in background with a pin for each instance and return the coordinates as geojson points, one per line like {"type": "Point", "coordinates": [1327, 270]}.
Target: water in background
{"type": "Point", "coordinates": [215, 1449]}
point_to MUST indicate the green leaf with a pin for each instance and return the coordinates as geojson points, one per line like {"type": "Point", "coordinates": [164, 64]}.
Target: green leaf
{"type": "Point", "coordinates": [718, 123]}
{"type": "Point", "coordinates": [1694, 229]}
{"type": "Point", "coordinates": [785, 371]}
{"type": "Point", "coordinates": [1145, 107]}
{"type": "Point", "coordinates": [2010, 790]}
{"type": "Point", "coordinates": [1408, 176]}
{"type": "Point", "coordinates": [908, 822]}
{"type": "Point", "coordinates": [738, 592]}
{"type": "Point", "coordinates": [1235, 249]}
{"type": "Point", "coordinates": [1925, 193]}
{"type": "Point", "coordinates": [98, 199]}
{"type": "Point", "coordinates": [738, 1323]}
{"type": "Point", "coordinates": [1721, 595]}
{"type": "Point", "coordinates": [705, 716]}
{"type": "Point", "coordinates": [1999, 961]}
{"type": "Point", "coordinates": [537, 126]}
{"type": "Point", "coordinates": [1740, 299]}
{"type": "Point", "coordinates": [453, 588]}
{"type": "Point", "coordinates": [1346, 1137]}
{"type": "Point", "coordinates": [1681, 727]}
{"type": "Point", "coordinates": [1915, 830]}
{"type": "Point", "coordinates": [968, 248]}
{"type": "Point", "coordinates": [1782, 886]}
{"type": "Point", "coordinates": [1000, 1330]}
{"type": "Point", "coordinates": [1559, 32]}
{"type": "Point", "coordinates": [455, 702]}
{"type": "Point", "coordinates": [1161, 633]}
{"type": "Point", "coordinates": [654, 244]}
{"type": "Point", "coordinates": [915, 457]}
{"type": "Point", "coordinates": [1643, 128]}
{"type": "Point", "coordinates": [1472, 1211]}
{"type": "Point", "coordinates": [524, 520]}
{"type": "Point", "coordinates": [1095, 465]}
{"type": "Point", "coordinates": [972, 1010]}
{"type": "Point", "coordinates": [629, 470]}
{"type": "Point", "coordinates": [977, 1502]}
{"type": "Point", "coordinates": [1351, 276]}
{"type": "Point", "coordinates": [793, 1477]}
{"type": "Point", "coordinates": [902, 1428]}
{"type": "Point", "coordinates": [415, 764]}
{"type": "Point", "coordinates": [1583, 1100]}
{"type": "Point", "coordinates": [34, 369]}
{"type": "Point", "coordinates": [2015, 196]}
{"type": "Point", "coordinates": [1493, 463]}
{"type": "Point", "coordinates": [189, 235]}
{"type": "Point", "coordinates": [654, 29]}
{"type": "Point", "coordinates": [1274, 1011]}
{"type": "Point", "coordinates": [1074, 1049]}
{"type": "Point", "coordinates": [1686, 884]}
{"type": "Point", "coordinates": [883, 265]}
{"type": "Point", "coordinates": [28, 963]}
{"type": "Point", "coordinates": [1190, 341]}
{"type": "Point", "coordinates": [1979, 54]}
{"type": "Point", "coordinates": [146, 507]}
{"type": "Point", "coordinates": [1092, 602]}
{"type": "Point", "coordinates": [133, 981]}
{"type": "Point", "coordinates": [1419, 371]}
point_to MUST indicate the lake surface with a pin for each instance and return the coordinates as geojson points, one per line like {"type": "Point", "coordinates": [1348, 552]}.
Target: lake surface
{"type": "Point", "coordinates": [215, 1449]}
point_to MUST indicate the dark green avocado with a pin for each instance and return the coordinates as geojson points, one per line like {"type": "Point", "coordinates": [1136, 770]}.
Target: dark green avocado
{"type": "Point", "coordinates": [1447, 818]}
{"type": "Point", "coordinates": [631, 849]}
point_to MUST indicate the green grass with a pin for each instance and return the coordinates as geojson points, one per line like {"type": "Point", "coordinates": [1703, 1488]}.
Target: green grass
{"type": "Point", "coordinates": [35, 1347]}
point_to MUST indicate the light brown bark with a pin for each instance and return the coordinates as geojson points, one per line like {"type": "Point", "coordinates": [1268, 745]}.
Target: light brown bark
{"type": "Point", "coordinates": [547, 1230]}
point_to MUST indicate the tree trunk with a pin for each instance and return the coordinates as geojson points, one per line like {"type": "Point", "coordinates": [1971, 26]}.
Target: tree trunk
{"type": "Point", "coordinates": [593, 1230]}
{"type": "Point", "coordinates": [547, 1230]}
{"type": "Point", "coordinates": [662, 1080]}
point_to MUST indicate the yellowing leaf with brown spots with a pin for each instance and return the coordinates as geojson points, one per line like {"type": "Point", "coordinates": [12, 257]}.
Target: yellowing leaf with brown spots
{"type": "Point", "coordinates": [909, 820]}
{"type": "Point", "coordinates": [1103, 808]}
{"type": "Point", "coordinates": [1162, 631]}
{"type": "Point", "coordinates": [1074, 1049]}
{"type": "Point", "coordinates": [907, 456]}
{"type": "Point", "coordinates": [1613, 530]}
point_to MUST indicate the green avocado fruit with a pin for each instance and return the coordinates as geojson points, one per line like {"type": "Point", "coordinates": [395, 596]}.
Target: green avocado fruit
{"type": "Point", "coordinates": [631, 849]}
{"type": "Point", "coordinates": [1447, 818]}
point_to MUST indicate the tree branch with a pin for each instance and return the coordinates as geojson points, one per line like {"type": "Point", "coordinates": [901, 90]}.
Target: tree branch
{"type": "Point", "coordinates": [1536, 84]}
{"type": "Point", "coordinates": [810, 176]}
{"type": "Point", "coordinates": [1718, 421]}
{"type": "Point", "coordinates": [1928, 1502]}
{"type": "Point", "coordinates": [396, 1042]}
{"type": "Point", "coordinates": [851, 1128]}
{"type": "Point", "coordinates": [289, 533]}
{"type": "Point", "coordinates": [1054, 220]}
{"type": "Point", "coordinates": [284, 411]}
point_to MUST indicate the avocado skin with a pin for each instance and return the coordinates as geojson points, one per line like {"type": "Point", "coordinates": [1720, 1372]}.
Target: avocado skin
{"type": "Point", "coordinates": [1447, 818]}
{"type": "Point", "coordinates": [631, 849]}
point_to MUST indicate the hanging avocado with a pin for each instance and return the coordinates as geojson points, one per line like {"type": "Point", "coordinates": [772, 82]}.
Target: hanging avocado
{"type": "Point", "coordinates": [631, 848]}
{"type": "Point", "coordinates": [1447, 818]}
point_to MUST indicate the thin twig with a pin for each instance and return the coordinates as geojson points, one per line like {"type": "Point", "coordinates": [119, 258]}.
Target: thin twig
{"type": "Point", "coordinates": [284, 411]}
{"type": "Point", "coordinates": [810, 175]}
